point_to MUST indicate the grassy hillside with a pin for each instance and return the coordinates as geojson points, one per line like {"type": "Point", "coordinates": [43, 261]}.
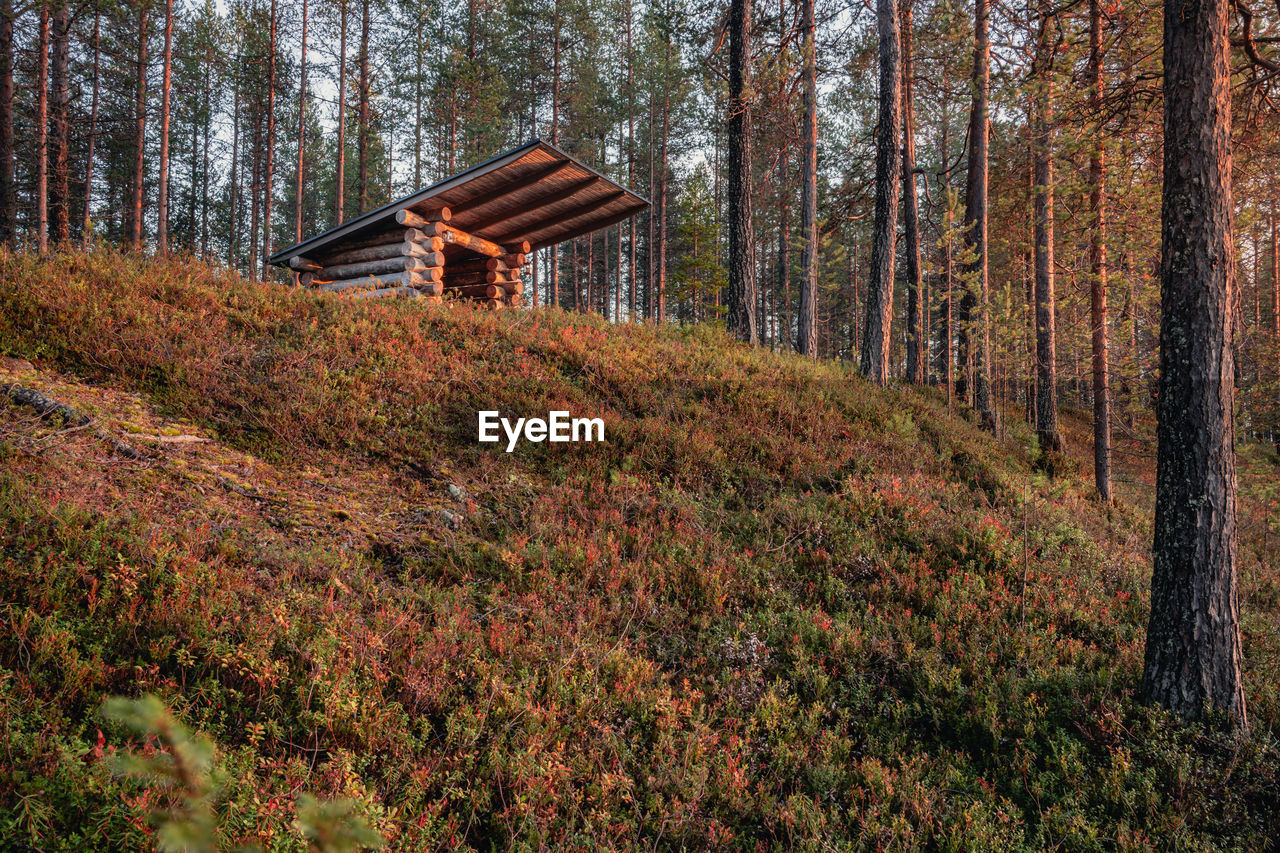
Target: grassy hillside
{"type": "Point", "coordinates": [778, 609]}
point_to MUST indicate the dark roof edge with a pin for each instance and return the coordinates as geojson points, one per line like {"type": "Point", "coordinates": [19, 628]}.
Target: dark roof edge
{"type": "Point", "coordinates": [425, 193]}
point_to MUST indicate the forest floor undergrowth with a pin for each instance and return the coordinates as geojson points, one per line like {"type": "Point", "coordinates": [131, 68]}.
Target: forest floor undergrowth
{"type": "Point", "coordinates": [778, 608]}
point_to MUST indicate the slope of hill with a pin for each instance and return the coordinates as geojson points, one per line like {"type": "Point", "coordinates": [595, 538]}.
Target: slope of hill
{"type": "Point", "coordinates": [778, 608]}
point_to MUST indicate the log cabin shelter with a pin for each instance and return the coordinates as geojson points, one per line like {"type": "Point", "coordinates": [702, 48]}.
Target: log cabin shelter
{"type": "Point", "coordinates": [470, 236]}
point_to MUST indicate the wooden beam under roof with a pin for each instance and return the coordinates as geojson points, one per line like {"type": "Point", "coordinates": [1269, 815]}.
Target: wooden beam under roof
{"type": "Point", "coordinates": [592, 226]}
{"type": "Point", "coordinates": [539, 174]}
{"type": "Point", "coordinates": [538, 203]}
{"type": "Point", "coordinates": [568, 215]}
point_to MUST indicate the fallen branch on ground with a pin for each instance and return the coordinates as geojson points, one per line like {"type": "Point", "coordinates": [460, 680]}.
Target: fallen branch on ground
{"type": "Point", "coordinates": [48, 407]}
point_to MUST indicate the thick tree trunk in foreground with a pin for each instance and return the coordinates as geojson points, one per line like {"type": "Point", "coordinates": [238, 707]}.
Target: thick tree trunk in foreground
{"type": "Point", "coordinates": [917, 350]}
{"type": "Point", "coordinates": [977, 333]}
{"type": "Point", "coordinates": [1193, 654]}
{"type": "Point", "coordinates": [742, 265]}
{"type": "Point", "coordinates": [1098, 265]}
{"type": "Point", "coordinates": [809, 191]}
{"type": "Point", "coordinates": [876, 341]}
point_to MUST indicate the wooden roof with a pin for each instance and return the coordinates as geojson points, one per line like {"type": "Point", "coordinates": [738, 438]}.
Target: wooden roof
{"type": "Point", "coordinates": [535, 192]}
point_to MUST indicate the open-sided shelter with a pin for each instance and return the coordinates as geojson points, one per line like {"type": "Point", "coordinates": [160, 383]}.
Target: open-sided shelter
{"type": "Point", "coordinates": [469, 236]}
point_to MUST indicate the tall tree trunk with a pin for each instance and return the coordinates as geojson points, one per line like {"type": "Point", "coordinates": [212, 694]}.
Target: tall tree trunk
{"type": "Point", "coordinates": [363, 117]}
{"type": "Point", "coordinates": [268, 186]}
{"type": "Point", "coordinates": [140, 134]}
{"type": "Point", "coordinates": [205, 134]}
{"type": "Point", "coordinates": [917, 353]}
{"type": "Point", "coordinates": [1275, 277]}
{"type": "Point", "coordinates": [784, 251]}
{"type": "Point", "coordinates": [8, 202]}
{"type": "Point", "coordinates": [946, 330]}
{"type": "Point", "coordinates": [631, 158]}
{"type": "Point", "coordinates": [554, 282]}
{"type": "Point", "coordinates": [1046, 302]}
{"type": "Point", "coordinates": [194, 168]}
{"type": "Point", "coordinates": [573, 274]}
{"type": "Point", "coordinates": [742, 266]}
{"type": "Point", "coordinates": [60, 189]}
{"type": "Point", "coordinates": [1193, 656]}
{"type": "Point", "coordinates": [1098, 264]}
{"type": "Point", "coordinates": [42, 133]}
{"type": "Point", "coordinates": [876, 341]}
{"type": "Point", "coordinates": [664, 177]}
{"type": "Point", "coordinates": [233, 243]}
{"type": "Point", "coordinates": [650, 219]}
{"type": "Point", "coordinates": [87, 227]}
{"type": "Point", "coordinates": [255, 193]}
{"type": "Point", "coordinates": [809, 189]}
{"type": "Point", "coordinates": [162, 211]}
{"type": "Point", "coordinates": [976, 221]}
{"type": "Point", "coordinates": [589, 280]}
{"type": "Point", "coordinates": [302, 130]}
{"type": "Point", "coordinates": [1029, 344]}
{"type": "Point", "coordinates": [340, 203]}
{"type": "Point", "coordinates": [617, 299]}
